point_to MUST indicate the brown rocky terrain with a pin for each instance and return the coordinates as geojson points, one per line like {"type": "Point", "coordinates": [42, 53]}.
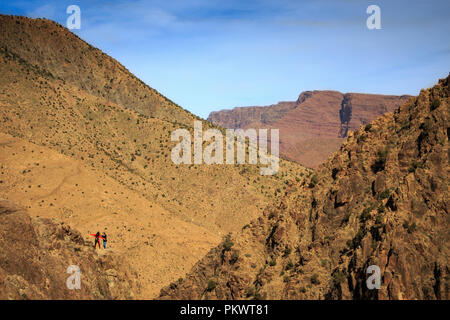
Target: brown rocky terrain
{"type": "Point", "coordinates": [57, 53]}
{"type": "Point", "coordinates": [51, 185]}
{"type": "Point", "coordinates": [85, 145]}
{"type": "Point", "coordinates": [36, 252]}
{"type": "Point", "coordinates": [382, 200]}
{"type": "Point", "coordinates": [85, 142]}
{"type": "Point", "coordinates": [315, 125]}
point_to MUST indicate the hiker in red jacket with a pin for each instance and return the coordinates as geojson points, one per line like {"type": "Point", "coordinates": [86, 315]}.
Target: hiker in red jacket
{"type": "Point", "coordinates": [97, 240]}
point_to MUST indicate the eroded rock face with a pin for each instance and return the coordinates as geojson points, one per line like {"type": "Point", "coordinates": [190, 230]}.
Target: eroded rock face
{"type": "Point", "coordinates": [381, 200]}
{"type": "Point", "coordinates": [251, 117]}
{"type": "Point", "coordinates": [314, 126]}
{"type": "Point", "coordinates": [35, 254]}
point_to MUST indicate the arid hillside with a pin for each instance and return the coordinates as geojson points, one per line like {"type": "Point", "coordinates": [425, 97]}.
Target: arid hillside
{"type": "Point", "coordinates": [85, 142]}
{"type": "Point", "coordinates": [54, 186]}
{"type": "Point", "coordinates": [381, 200]}
{"type": "Point", "coordinates": [315, 125]}
{"type": "Point", "coordinates": [44, 45]}
{"type": "Point", "coordinates": [35, 256]}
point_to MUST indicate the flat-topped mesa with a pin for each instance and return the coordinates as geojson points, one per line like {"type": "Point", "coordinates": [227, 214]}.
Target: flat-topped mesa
{"type": "Point", "coordinates": [313, 126]}
{"type": "Point", "coordinates": [251, 117]}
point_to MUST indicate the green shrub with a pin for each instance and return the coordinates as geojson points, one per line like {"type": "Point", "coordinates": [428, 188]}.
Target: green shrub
{"type": "Point", "coordinates": [378, 218]}
{"type": "Point", "coordinates": [365, 215]}
{"type": "Point", "coordinates": [211, 285]}
{"type": "Point", "coordinates": [356, 241]}
{"type": "Point", "coordinates": [228, 244]}
{"type": "Point", "coordinates": [385, 194]}
{"type": "Point", "coordinates": [435, 104]}
{"type": "Point", "coordinates": [173, 286]}
{"type": "Point", "coordinates": [287, 251]}
{"type": "Point", "coordinates": [426, 126]}
{"type": "Point", "coordinates": [314, 181]}
{"type": "Point", "coordinates": [414, 165]}
{"type": "Point", "coordinates": [315, 279]}
{"type": "Point", "coordinates": [289, 265]}
{"type": "Point", "coordinates": [405, 124]}
{"type": "Point", "coordinates": [339, 277]}
{"type": "Point", "coordinates": [380, 162]}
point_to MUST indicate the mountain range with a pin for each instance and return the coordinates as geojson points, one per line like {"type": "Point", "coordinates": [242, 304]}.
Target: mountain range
{"type": "Point", "coordinates": [85, 146]}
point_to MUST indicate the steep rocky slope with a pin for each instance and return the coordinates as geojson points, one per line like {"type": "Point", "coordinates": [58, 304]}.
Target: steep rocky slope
{"type": "Point", "coordinates": [36, 253]}
{"type": "Point", "coordinates": [382, 200]}
{"type": "Point", "coordinates": [60, 54]}
{"type": "Point", "coordinates": [314, 126]}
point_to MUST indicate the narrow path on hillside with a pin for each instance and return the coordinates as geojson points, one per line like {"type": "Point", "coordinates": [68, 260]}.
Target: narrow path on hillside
{"type": "Point", "coordinates": [63, 181]}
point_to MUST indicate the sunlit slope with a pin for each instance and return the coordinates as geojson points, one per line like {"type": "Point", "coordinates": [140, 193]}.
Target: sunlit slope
{"type": "Point", "coordinates": [97, 158]}
{"type": "Point", "coordinates": [130, 147]}
{"type": "Point", "coordinates": [63, 55]}
{"type": "Point", "coordinates": [160, 246]}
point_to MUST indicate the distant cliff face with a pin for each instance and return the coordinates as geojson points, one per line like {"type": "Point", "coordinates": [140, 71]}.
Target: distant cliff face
{"type": "Point", "coordinates": [312, 127]}
{"type": "Point", "coordinates": [246, 117]}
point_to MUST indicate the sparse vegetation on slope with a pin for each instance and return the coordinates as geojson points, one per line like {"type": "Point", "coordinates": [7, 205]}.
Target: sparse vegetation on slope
{"type": "Point", "coordinates": [60, 94]}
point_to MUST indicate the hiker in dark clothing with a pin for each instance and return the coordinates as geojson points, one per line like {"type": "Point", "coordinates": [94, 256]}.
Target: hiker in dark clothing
{"type": "Point", "coordinates": [97, 240]}
{"type": "Point", "coordinates": [104, 240]}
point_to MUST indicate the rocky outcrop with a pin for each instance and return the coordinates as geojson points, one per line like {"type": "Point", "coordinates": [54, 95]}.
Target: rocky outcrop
{"type": "Point", "coordinates": [314, 126]}
{"type": "Point", "coordinates": [35, 255]}
{"type": "Point", "coordinates": [381, 200]}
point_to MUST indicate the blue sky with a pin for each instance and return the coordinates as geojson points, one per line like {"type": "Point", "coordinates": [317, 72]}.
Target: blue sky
{"type": "Point", "coordinates": [209, 55]}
